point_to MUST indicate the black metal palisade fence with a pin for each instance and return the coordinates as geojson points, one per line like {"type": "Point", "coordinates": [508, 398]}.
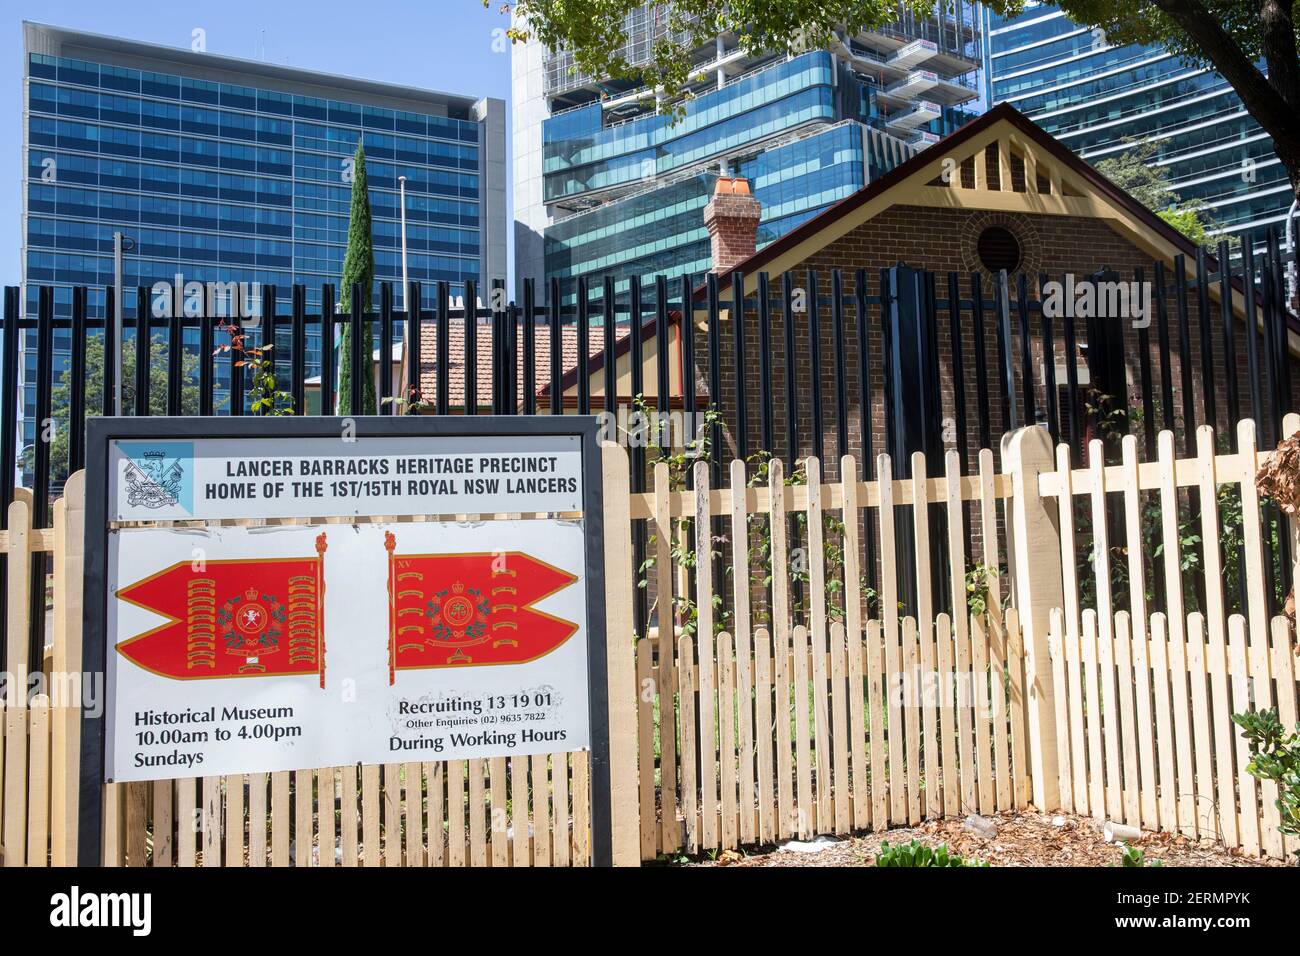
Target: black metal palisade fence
{"type": "Point", "coordinates": [867, 341]}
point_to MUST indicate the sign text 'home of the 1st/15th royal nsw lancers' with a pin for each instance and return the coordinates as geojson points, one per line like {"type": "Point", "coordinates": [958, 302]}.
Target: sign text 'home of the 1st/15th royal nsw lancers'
{"type": "Point", "coordinates": [217, 478]}
{"type": "Point", "coordinates": [278, 646]}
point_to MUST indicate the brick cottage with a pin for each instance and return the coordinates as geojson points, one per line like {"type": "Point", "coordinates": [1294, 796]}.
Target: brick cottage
{"type": "Point", "coordinates": [998, 194]}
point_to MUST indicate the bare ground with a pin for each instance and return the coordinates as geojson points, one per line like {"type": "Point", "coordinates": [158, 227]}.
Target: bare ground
{"type": "Point", "coordinates": [1025, 838]}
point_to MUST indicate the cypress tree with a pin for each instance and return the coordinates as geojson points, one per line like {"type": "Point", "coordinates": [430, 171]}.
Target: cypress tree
{"type": "Point", "coordinates": [358, 266]}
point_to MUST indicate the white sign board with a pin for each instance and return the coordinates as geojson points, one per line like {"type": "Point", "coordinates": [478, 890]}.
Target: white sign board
{"type": "Point", "coordinates": [257, 649]}
{"type": "Point", "coordinates": [345, 475]}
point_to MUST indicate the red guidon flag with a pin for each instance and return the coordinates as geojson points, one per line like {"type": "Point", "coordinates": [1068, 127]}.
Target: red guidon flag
{"type": "Point", "coordinates": [470, 609]}
{"type": "Point", "coordinates": [242, 618]}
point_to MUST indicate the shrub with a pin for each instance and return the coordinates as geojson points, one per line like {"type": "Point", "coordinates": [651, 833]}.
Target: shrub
{"type": "Point", "coordinates": [917, 853]}
{"type": "Point", "coordinates": [1135, 857]}
{"type": "Point", "coordinates": [1275, 755]}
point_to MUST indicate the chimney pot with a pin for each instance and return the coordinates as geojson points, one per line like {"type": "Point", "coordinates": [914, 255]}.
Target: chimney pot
{"type": "Point", "coordinates": [732, 217]}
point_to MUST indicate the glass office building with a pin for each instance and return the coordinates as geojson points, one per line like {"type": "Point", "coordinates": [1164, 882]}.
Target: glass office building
{"type": "Point", "coordinates": [227, 170]}
{"type": "Point", "coordinates": [608, 182]}
{"type": "Point", "coordinates": [1097, 98]}
{"type": "Point", "coordinates": [661, 228]}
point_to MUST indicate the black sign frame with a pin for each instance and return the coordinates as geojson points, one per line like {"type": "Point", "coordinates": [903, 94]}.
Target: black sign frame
{"type": "Point", "coordinates": [102, 432]}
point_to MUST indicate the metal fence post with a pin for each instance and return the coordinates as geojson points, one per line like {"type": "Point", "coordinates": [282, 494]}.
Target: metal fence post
{"type": "Point", "coordinates": [1035, 562]}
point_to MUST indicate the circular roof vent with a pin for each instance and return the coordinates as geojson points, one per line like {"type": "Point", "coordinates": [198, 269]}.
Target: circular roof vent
{"type": "Point", "coordinates": [998, 249]}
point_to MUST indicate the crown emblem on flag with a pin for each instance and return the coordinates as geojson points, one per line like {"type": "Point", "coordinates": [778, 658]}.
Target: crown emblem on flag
{"type": "Point", "coordinates": [252, 627]}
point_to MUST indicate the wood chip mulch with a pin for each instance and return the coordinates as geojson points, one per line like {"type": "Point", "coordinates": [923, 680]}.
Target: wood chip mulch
{"type": "Point", "coordinates": [1023, 838]}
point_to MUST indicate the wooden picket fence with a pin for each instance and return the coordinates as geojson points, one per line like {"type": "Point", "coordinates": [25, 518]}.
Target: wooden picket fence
{"type": "Point", "coordinates": [1150, 740]}
{"type": "Point", "coordinates": [1144, 702]}
{"type": "Point", "coordinates": [817, 725]}
{"type": "Point", "coordinates": [857, 735]}
{"type": "Point", "coordinates": [41, 737]}
{"type": "Point", "coordinates": [746, 715]}
{"type": "Point", "coordinates": [515, 811]}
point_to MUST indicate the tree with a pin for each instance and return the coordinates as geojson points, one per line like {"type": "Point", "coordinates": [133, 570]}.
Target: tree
{"type": "Point", "coordinates": [1136, 172]}
{"type": "Point", "coordinates": [593, 30]}
{"type": "Point", "coordinates": [1188, 221]}
{"type": "Point", "coordinates": [1232, 37]}
{"type": "Point", "coordinates": [61, 395]}
{"type": "Point", "coordinates": [358, 266]}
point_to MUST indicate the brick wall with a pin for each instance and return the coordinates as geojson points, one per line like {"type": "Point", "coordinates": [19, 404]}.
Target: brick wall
{"type": "Point", "coordinates": [944, 240]}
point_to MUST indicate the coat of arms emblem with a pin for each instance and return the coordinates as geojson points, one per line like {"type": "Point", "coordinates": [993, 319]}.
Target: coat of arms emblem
{"type": "Point", "coordinates": [251, 627]}
{"type": "Point", "coordinates": [152, 482]}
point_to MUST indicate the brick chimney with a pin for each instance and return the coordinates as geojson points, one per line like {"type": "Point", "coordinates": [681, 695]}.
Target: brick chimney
{"type": "Point", "coordinates": [732, 220]}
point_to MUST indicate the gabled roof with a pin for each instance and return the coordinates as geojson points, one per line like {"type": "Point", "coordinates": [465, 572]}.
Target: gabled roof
{"type": "Point", "coordinates": [1073, 188]}
{"type": "Point", "coordinates": [966, 142]}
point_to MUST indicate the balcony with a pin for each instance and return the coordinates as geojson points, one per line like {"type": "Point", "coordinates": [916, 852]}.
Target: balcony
{"type": "Point", "coordinates": [911, 86]}
{"type": "Point", "coordinates": [920, 113]}
{"type": "Point", "coordinates": [584, 160]}
{"type": "Point", "coordinates": [918, 51]}
{"type": "Point", "coordinates": [918, 83]}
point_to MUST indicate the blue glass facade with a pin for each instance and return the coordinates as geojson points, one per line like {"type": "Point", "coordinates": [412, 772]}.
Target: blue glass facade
{"type": "Point", "coordinates": [234, 181]}
{"type": "Point", "coordinates": [806, 132]}
{"type": "Point", "coordinates": [662, 229]}
{"type": "Point", "coordinates": [1096, 98]}
{"type": "Point", "coordinates": [224, 182]}
{"type": "Point", "coordinates": [610, 177]}
{"type": "Point", "coordinates": [581, 157]}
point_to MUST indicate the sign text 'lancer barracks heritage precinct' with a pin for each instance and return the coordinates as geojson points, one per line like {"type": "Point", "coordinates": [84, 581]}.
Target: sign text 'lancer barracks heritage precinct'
{"type": "Point", "coordinates": [453, 622]}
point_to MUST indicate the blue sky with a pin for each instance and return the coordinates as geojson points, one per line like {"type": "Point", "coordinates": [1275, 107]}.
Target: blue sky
{"type": "Point", "coordinates": [436, 44]}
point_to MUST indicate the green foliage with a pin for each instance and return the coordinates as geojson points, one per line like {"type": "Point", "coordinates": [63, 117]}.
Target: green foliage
{"type": "Point", "coordinates": [1191, 565]}
{"type": "Point", "coordinates": [1275, 756]}
{"type": "Point", "coordinates": [1109, 415]}
{"type": "Point", "coordinates": [1137, 172]}
{"type": "Point", "coordinates": [681, 547]}
{"type": "Point", "coordinates": [595, 31]}
{"type": "Point", "coordinates": [61, 394]}
{"type": "Point", "coordinates": [1132, 856]}
{"type": "Point", "coordinates": [979, 582]}
{"type": "Point", "coordinates": [1110, 421]}
{"type": "Point", "coordinates": [412, 404]}
{"type": "Point", "coordinates": [798, 566]}
{"type": "Point", "coordinates": [259, 372]}
{"type": "Point", "coordinates": [759, 540]}
{"type": "Point", "coordinates": [917, 853]}
{"type": "Point", "coordinates": [359, 267]}
{"type": "Point", "coordinates": [1191, 220]}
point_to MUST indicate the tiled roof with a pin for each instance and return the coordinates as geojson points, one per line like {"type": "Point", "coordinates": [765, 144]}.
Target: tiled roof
{"type": "Point", "coordinates": [483, 369]}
